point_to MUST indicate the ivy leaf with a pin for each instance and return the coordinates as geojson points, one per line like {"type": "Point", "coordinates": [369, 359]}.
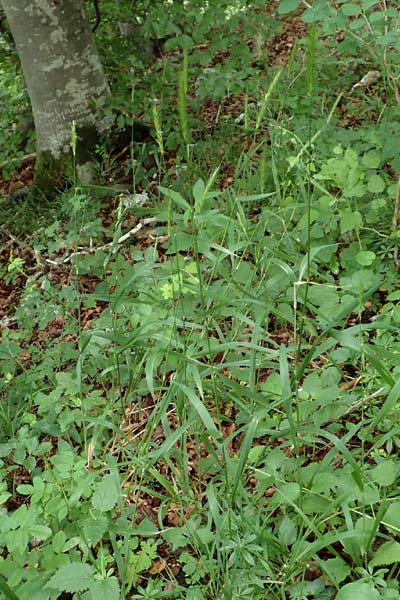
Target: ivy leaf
{"type": "Point", "coordinates": [75, 577]}
{"type": "Point", "coordinates": [287, 6]}
{"type": "Point", "coordinates": [387, 554]}
{"type": "Point", "coordinates": [105, 589]}
{"type": "Point", "coordinates": [358, 591]}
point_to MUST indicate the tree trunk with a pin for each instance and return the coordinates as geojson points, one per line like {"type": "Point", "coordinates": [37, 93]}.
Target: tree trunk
{"type": "Point", "coordinates": [65, 82]}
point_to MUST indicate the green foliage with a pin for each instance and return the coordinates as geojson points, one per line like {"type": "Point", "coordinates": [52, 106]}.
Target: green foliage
{"type": "Point", "coordinates": [211, 411]}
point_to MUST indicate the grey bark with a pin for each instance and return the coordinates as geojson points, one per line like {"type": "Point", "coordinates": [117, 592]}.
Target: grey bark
{"type": "Point", "coordinates": [62, 70]}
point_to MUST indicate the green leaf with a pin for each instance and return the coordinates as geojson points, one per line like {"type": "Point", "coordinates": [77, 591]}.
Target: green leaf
{"type": "Point", "coordinates": [391, 519]}
{"type": "Point", "coordinates": [287, 531]}
{"type": "Point", "coordinates": [287, 6]}
{"type": "Point", "coordinates": [358, 591]}
{"type": "Point", "coordinates": [105, 589]}
{"type": "Point", "coordinates": [25, 489]}
{"type": "Point", "coordinates": [94, 527]}
{"type": "Point", "coordinates": [177, 198]}
{"type": "Point", "coordinates": [6, 590]}
{"type": "Point", "coordinates": [387, 554]}
{"type": "Point", "coordinates": [384, 474]}
{"type": "Point", "coordinates": [350, 9]}
{"type": "Point", "coordinates": [75, 577]}
{"type": "Point", "coordinates": [376, 184]}
{"type": "Point", "coordinates": [106, 494]}
{"type": "Point", "coordinates": [349, 220]}
{"type": "Point", "coordinates": [372, 159]}
{"type": "Point", "coordinates": [176, 537]}
{"type": "Point", "coordinates": [365, 258]}
{"type": "Point", "coordinates": [336, 569]}
{"type": "Point", "coordinates": [287, 493]}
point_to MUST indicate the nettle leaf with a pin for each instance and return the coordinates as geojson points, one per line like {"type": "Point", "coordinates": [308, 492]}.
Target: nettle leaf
{"type": "Point", "coordinates": [287, 6]}
{"type": "Point", "coordinates": [358, 591]}
{"type": "Point", "coordinates": [75, 577]}
{"type": "Point", "coordinates": [387, 554]}
{"type": "Point", "coordinates": [94, 527]}
{"type": "Point", "coordinates": [106, 494]}
{"type": "Point", "coordinates": [105, 589]}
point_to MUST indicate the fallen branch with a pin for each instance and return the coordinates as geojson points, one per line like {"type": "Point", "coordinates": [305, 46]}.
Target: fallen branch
{"type": "Point", "coordinates": [114, 245]}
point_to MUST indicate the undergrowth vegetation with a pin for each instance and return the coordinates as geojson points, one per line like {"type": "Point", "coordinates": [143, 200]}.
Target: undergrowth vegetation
{"type": "Point", "coordinates": [200, 372]}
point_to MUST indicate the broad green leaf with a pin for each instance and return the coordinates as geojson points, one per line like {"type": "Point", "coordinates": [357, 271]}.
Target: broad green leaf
{"type": "Point", "coordinates": [106, 494]}
{"type": "Point", "coordinates": [350, 9]}
{"type": "Point", "coordinates": [75, 577]}
{"type": "Point", "coordinates": [385, 473]}
{"type": "Point", "coordinates": [105, 589]}
{"type": "Point", "coordinates": [94, 527]}
{"type": "Point", "coordinates": [349, 220]}
{"type": "Point", "coordinates": [287, 493]}
{"type": "Point", "coordinates": [376, 184]}
{"type": "Point", "coordinates": [387, 554]}
{"type": "Point", "coordinates": [372, 159]}
{"type": "Point", "coordinates": [358, 591]}
{"type": "Point", "coordinates": [177, 198]}
{"type": "Point", "coordinates": [336, 569]}
{"type": "Point", "coordinates": [6, 590]}
{"type": "Point", "coordinates": [287, 531]}
{"type": "Point", "coordinates": [391, 518]}
{"type": "Point", "coordinates": [25, 489]}
{"type": "Point", "coordinates": [365, 258]}
{"type": "Point", "coordinates": [176, 537]}
{"type": "Point", "coordinates": [287, 6]}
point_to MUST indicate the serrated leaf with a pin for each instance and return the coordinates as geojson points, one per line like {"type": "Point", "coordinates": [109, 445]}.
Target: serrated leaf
{"type": "Point", "coordinates": [75, 577]}
{"type": "Point", "coordinates": [94, 527]}
{"type": "Point", "coordinates": [105, 589]}
{"type": "Point", "coordinates": [387, 554]}
{"type": "Point", "coordinates": [358, 591]}
{"type": "Point", "coordinates": [176, 537]}
{"type": "Point", "coordinates": [106, 494]}
{"type": "Point", "coordinates": [287, 6]}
